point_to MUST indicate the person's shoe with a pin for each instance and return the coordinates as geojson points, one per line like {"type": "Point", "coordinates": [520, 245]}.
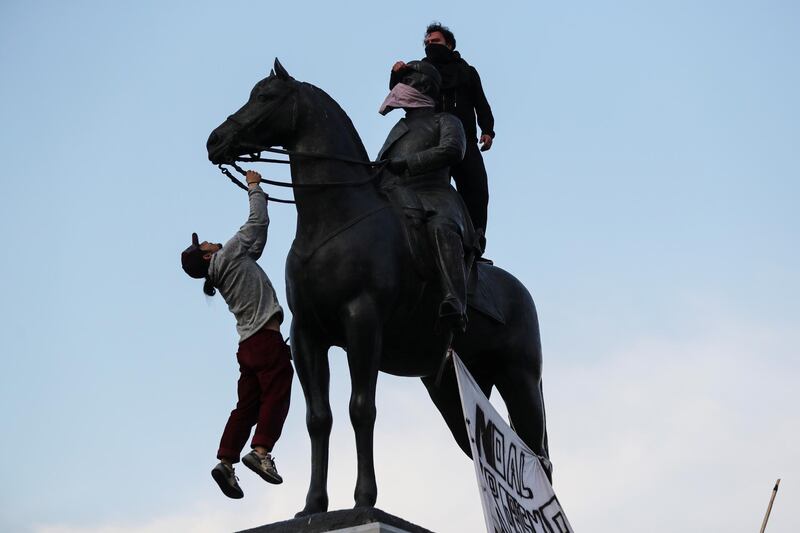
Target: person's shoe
{"type": "Point", "coordinates": [263, 466]}
{"type": "Point", "coordinates": [227, 481]}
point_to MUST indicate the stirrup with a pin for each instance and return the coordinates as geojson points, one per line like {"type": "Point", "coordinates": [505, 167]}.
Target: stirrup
{"type": "Point", "coordinates": [453, 315]}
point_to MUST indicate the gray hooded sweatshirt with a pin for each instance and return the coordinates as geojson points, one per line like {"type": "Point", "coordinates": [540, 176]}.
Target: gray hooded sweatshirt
{"type": "Point", "coordinates": [242, 283]}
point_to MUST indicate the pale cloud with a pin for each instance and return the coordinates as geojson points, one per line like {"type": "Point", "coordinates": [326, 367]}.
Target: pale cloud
{"type": "Point", "coordinates": [662, 435]}
{"type": "Point", "coordinates": [686, 435]}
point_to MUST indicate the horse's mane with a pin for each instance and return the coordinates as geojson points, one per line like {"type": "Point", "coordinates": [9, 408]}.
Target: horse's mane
{"type": "Point", "coordinates": [347, 124]}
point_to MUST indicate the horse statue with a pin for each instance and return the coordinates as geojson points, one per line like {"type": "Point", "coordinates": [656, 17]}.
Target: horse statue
{"type": "Point", "coordinates": [352, 282]}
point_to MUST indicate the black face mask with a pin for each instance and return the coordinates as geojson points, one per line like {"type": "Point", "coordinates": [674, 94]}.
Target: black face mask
{"type": "Point", "coordinates": [438, 53]}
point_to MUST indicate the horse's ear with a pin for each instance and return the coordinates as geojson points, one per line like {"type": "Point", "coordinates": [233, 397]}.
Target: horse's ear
{"type": "Point", "coordinates": [271, 72]}
{"type": "Point", "coordinates": [280, 71]}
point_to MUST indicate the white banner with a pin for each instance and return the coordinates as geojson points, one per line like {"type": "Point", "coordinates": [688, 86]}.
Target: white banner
{"type": "Point", "coordinates": [515, 492]}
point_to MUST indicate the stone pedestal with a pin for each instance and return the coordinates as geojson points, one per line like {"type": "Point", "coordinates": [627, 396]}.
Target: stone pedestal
{"type": "Point", "coordinates": [367, 520]}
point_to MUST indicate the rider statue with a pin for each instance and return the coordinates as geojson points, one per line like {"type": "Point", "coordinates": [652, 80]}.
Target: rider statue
{"type": "Point", "coordinates": [420, 149]}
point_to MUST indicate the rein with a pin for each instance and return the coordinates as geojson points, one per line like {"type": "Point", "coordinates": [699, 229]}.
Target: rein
{"type": "Point", "coordinates": [255, 157]}
{"type": "Point", "coordinates": [311, 155]}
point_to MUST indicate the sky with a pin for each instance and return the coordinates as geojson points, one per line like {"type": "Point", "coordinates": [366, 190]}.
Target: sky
{"type": "Point", "coordinates": [644, 187]}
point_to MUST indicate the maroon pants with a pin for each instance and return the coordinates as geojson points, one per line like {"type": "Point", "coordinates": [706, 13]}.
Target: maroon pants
{"type": "Point", "coordinates": [265, 384]}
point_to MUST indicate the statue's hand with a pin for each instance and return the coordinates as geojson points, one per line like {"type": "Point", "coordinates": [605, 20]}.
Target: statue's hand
{"type": "Point", "coordinates": [397, 165]}
{"type": "Point", "coordinates": [486, 142]}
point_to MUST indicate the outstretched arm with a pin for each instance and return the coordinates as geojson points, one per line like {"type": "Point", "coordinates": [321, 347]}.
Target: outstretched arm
{"type": "Point", "coordinates": [483, 111]}
{"type": "Point", "coordinates": [252, 235]}
{"type": "Point", "coordinates": [395, 75]}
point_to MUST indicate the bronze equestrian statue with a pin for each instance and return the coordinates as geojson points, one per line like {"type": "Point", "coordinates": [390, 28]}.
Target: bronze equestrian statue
{"type": "Point", "coordinates": [353, 281]}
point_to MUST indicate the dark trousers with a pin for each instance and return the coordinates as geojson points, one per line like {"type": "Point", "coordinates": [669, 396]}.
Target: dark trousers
{"type": "Point", "coordinates": [265, 385]}
{"type": "Point", "coordinates": [471, 183]}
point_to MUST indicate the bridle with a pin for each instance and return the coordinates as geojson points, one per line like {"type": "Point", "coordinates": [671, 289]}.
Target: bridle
{"type": "Point", "coordinates": [255, 157]}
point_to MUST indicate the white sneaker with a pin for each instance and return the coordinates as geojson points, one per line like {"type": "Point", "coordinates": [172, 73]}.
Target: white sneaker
{"type": "Point", "coordinates": [263, 466]}
{"type": "Point", "coordinates": [226, 478]}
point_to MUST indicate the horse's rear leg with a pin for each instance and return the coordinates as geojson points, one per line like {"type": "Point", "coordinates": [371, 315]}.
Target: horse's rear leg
{"type": "Point", "coordinates": [447, 400]}
{"type": "Point", "coordinates": [521, 389]}
{"type": "Point", "coordinates": [364, 345]}
{"type": "Point", "coordinates": [311, 365]}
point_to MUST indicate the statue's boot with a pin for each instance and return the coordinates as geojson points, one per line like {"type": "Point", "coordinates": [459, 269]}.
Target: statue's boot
{"type": "Point", "coordinates": [480, 237]}
{"type": "Point", "coordinates": [452, 277]}
{"type": "Point", "coordinates": [480, 247]}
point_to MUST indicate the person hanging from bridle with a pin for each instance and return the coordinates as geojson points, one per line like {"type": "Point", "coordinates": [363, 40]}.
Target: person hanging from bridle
{"type": "Point", "coordinates": [420, 149]}
{"type": "Point", "coordinates": [265, 368]}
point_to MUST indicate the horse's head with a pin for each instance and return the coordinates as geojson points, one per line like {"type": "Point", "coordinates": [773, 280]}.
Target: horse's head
{"type": "Point", "coordinates": [265, 120]}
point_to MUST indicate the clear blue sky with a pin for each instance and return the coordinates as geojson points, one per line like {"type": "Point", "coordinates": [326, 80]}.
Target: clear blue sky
{"type": "Point", "coordinates": [644, 186]}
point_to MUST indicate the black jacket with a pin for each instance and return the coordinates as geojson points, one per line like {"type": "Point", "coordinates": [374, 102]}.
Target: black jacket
{"type": "Point", "coordinates": [462, 95]}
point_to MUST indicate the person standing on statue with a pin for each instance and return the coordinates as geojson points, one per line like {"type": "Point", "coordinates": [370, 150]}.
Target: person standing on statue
{"type": "Point", "coordinates": [462, 95]}
{"type": "Point", "coordinates": [420, 149]}
{"type": "Point", "coordinates": [265, 369]}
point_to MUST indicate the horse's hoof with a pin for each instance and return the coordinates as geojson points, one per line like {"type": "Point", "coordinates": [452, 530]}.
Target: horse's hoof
{"type": "Point", "coordinates": [365, 501]}
{"type": "Point", "coordinates": [307, 512]}
{"type": "Point", "coordinates": [313, 506]}
{"type": "Point", "coordinates": [359, 506]}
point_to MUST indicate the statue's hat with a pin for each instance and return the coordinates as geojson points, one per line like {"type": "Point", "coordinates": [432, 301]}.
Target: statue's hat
{"type": "Point", "coordinates": [422, 76]}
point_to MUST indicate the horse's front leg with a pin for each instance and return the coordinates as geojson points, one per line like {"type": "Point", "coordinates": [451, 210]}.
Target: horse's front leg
{"type": "Point", "coordinates": [364, 347]}
{"type": "Point", "coordinates": [311, 365]}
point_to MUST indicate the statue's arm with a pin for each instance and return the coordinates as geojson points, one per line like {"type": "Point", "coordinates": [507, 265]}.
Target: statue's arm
{"type": "Point", "coordinates": [448, 152]}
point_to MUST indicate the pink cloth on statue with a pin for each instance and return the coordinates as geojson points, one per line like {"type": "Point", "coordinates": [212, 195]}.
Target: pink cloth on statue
{"type": "Point", "coordinates": [405, 96]}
